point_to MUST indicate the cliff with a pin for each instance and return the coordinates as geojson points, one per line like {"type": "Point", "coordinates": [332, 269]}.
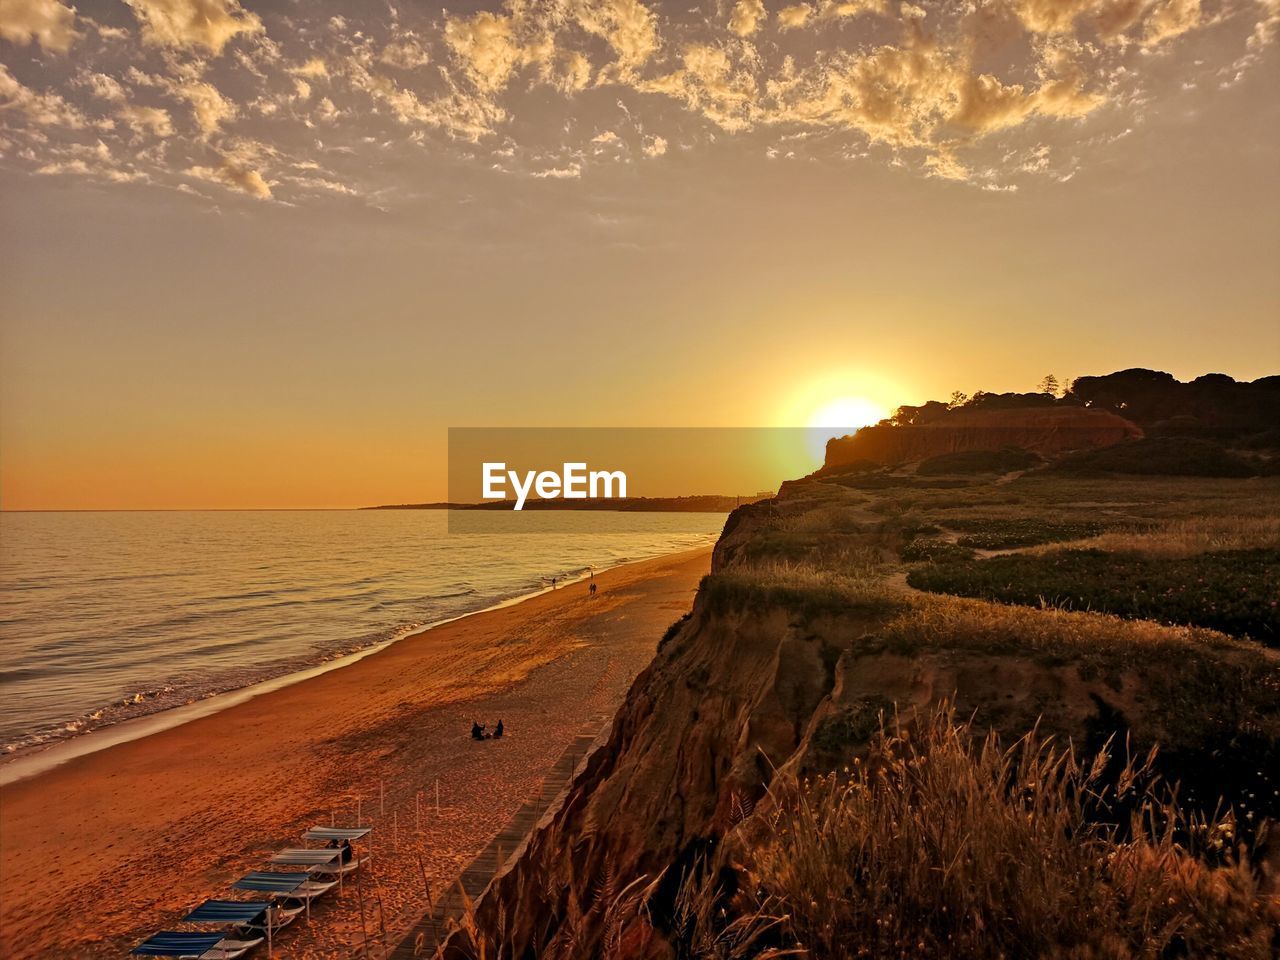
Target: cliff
{"type": "Point", "coordinates": [793, 650]}
{"type": "Point", "coordinates": [1045, 430]}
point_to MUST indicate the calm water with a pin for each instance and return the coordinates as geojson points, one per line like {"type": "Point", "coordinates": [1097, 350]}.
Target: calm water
{"type": "Point", "coordinates": [104, 616]}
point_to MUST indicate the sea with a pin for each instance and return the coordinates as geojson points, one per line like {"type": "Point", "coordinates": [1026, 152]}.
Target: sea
{"type": "Point", "coordinates": [105, 617]}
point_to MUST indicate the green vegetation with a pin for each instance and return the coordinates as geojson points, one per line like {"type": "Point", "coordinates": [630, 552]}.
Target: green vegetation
{"type": "Point", "coordinates": [1167, 456]}
{"type": "Point", "coordinates": [1235, 591]}
{"type": "Point", "coordinates": [979, 461]}
{"type": "Point", "coordinates": [933, 550]}
{"type": "Point", "coordinates": [1001, 533]}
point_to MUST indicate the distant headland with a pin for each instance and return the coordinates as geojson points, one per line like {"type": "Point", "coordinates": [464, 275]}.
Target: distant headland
{"type": "Point", "coordinates": [705, 503]}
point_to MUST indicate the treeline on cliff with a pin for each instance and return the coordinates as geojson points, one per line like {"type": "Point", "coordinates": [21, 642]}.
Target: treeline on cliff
{"type": "Point", "coordinates": [1213, 406]}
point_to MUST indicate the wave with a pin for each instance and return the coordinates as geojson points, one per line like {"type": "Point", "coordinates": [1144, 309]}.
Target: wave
{"type": "Point", "coordinates": [78, 660]}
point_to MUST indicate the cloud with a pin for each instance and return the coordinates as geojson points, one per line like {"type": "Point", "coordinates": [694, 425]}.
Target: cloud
{"type": "Point", "coordinates": [194, 23]}
{"type": "Point", "coordinates": [487, 47]}
{"type": "Point", "coordinates": [457, 112]}
{"type": "Point", "coordinates": [1170, 19]}
{"type": "Point", "coordinates": [89, 160]}
{"type": "Point", "coordinates": [234, 175]}
{"type": "Point", "coordinates": [628, 26]}
{"type": "Point", "coordinates": [104, 87]}
{"type": "Point", "coordinates": [794, 17]}
{"type": "Point", "coordinates": [43, 109]}
{"type": "Point", "coordinates": [49, 23]}
{"type": "Point", "coordinates": [571, 172]}
{"type": "Point", "coordinates": [406, 54]}
{"type": "Point", "coordinates": [958, 91]}
{"type": "Point", "coordinates": [839, 9]}
{"type": "Point", "coordinates": [209, 107]}
{"type": "Point", "coordinates": [746, 17]}
{"type": "Point", "coordinates": [946, 167]}
{"type": "Point", "coordinates": [151, 120]}
{"type": "Point", "coordinates": [314, 68]}
{"type": "Point", "coordinates": [326, 111]}
{"type": "Point", "coordinates": [1051, 16]}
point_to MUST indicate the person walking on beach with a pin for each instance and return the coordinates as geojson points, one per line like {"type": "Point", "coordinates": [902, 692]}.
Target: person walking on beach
{"type": "Point", "coordinates": [592, 589]}
{"type": "Point", "coordinates": [553, 583]}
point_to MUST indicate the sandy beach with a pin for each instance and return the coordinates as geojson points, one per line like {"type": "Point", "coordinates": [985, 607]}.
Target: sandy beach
{"type": "Point", "coordinates": [104, 850]}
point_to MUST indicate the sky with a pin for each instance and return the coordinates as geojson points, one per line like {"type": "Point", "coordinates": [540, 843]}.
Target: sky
{"type": "Point", "coordinates": [266, 254]}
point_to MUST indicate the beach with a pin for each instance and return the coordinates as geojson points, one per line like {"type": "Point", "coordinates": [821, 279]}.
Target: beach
{"type": "Point", "coordinates": [109, 847]}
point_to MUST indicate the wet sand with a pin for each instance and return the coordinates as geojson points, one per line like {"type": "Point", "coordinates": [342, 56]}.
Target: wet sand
{"type": "Point", "coordinates": [99, 853]}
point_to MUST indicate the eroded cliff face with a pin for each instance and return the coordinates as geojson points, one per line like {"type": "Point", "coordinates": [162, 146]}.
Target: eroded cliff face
{"type": "Point", "coordinates": [1047, 431]}
{"type": "Point", "coordinates": [752, 686]}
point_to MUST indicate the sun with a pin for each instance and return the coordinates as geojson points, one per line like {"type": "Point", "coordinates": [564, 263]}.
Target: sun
{"type": "Point", "coordinates": [844, 415]}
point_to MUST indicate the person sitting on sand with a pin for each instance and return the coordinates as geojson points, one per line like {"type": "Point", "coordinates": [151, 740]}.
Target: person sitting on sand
{"type": "Point", "coordinates": [477, 730]}
{"type": "Point", "coordinates": [348, 854]}
{"type": "Point", "coordinates": [497, 731]}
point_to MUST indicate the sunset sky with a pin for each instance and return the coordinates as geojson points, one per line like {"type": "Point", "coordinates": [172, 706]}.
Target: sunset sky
{"type": "Point", "coordinates": [265, 254]}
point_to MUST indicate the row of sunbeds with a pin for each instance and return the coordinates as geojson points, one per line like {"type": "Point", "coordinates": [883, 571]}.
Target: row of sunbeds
{"type": "Point", "coordinates": [243, 925]}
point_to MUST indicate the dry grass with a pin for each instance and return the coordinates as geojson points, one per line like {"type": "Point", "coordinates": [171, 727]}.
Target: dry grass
{"type": "Point", "coordinates": [854, 585]}
{"type": "Point", "coordinates": [943, 845]}
{"type": "Point", "coordinates": [948, 622]}
{"type": "Point", "coordinates": [1185, 538]}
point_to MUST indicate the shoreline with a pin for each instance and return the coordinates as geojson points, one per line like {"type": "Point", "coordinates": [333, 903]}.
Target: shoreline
{"type": "Point", "coordinates": [128, 837]}
{"type": "Point", "coordinates": [39, 758]}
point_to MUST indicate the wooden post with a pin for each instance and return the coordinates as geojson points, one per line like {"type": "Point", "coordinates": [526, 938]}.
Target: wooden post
{"type": "Point", "coordinates": [382, 917]}
{"type": "Point", "coordinates": [360, 892]}
{"type": "Point", "coordinates": [426, 886]}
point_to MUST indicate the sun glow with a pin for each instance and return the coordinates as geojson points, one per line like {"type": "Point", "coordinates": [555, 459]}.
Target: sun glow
{"type": "Point", "coordinates": [845, 415]}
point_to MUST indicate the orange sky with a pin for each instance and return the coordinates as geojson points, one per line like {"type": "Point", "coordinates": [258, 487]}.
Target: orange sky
{"type": "Point", "coordinates": [256, 259]}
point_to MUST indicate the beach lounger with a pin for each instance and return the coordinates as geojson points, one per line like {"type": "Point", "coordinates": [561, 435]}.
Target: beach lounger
{"type": "Point", "coordinates": [326, 862]}
{"type": "Point", "coordinates": [288, 886]}
{"type": "Point", "coordinates": [339, 835]}
{"type": "Point", "coordinates": [197, 946]}
{"type": "Point", "coordinates": [292, 886]}
{"type": "Point", "coordinates": [246, 916]}
{"type": "Point", "coordinates": [281, 916]}
{"type": "Point", "coordinates": [350, 834]}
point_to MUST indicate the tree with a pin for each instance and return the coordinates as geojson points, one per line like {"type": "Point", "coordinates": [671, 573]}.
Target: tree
{"type": "Point", "coordinates": [958, 399]}
{"type": "Point", "coordinates": [1049, 385]}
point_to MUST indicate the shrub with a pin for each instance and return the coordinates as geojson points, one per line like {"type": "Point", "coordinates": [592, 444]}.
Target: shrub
{"type": "Point", "coordinates": [979, 461]}
{"type": "Point", "coordinates": [942, 844]}
{"type": "Point", "coordinates": [1165, 456]}
{"type": "Point", "coordinates": [933, 550]}
{"type": "Point", "coordinates": [1234, 591]}
{"type": "Point", "coordinates": [989, 533]}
